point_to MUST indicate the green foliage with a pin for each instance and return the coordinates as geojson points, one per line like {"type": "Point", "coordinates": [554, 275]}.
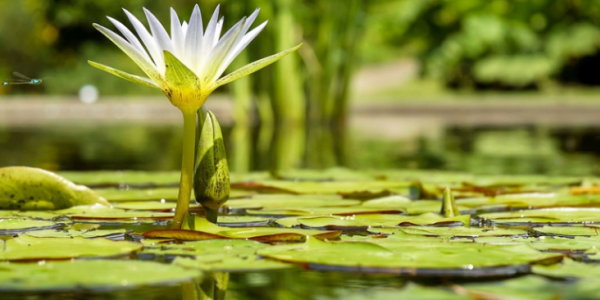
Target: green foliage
{"type": "Point", "coordinates": [491, 44]}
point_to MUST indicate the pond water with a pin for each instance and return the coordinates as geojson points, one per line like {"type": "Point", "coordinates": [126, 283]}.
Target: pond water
{"type": "Point", "coordinates": [477, 149]}
{"type": "Point", "coordinates": [512, 150]}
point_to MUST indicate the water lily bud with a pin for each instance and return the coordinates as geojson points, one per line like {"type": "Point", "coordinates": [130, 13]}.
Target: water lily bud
{"type": "Point", "coordinates": [211, 176]}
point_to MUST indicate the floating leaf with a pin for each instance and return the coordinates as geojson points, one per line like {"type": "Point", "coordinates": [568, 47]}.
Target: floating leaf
{"type": "Point", "coordinates": [459, 232]}
{"type": "Point", "coordinates": [25, 188]}
{"type": "Point", "coordinates": [99, 275]}
{"type": "Point", "coordinates": [371, 220]}
{"type": "Point", "coordinates": [542, 217]}
{"type": "Point", "coordinates": [340, 211]}
{"type": "Point", "coordinates": [523, 288]}
{"type": "Point", "coordinates": [12, 226]}
{"type": "Point", "coordinates": [358, 189]}
{"type": "Point", "coordinates": [123, 178]}
{"type": "Point", "coordinates": [569, 269]}
{"type": "Point", "coordinates": [28, 248]}
{"type": "Point", "coordinates": [112, 234]}
{"type": "Point", "coordinates": [204, 230]}
{"type": "Point", "coordinates": [103, 214]}
{"type": "Point", "coordinates": [567, 231]}
{"type": "Point", "coordinates": [416, 259]}
{"type": "Point", "coordinates": [251, 263]}
{"type": "Point", "coordinates": [286, 200]}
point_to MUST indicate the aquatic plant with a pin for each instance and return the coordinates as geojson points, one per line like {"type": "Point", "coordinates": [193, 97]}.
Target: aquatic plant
{"type": "Point", "coordinates": [187, 66]}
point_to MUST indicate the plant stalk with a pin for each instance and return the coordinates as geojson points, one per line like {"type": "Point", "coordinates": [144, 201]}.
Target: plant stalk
{"type": "Point", "coordinates": [187, 169]}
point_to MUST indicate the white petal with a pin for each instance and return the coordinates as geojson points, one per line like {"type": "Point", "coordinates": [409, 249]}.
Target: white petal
{"type": "Point", "coordinates": [241, 43]}
{"type": "Point", "coordinates": [184, 27]}
{"type": "Point", "coordinates": [148, 68]}
{"type": "Point", "coordinates": [218, 31]}
{"type": "Point", "coordinates": [177, 34]}
{"type": "Point", "coordinates": [233, 53]}
{"type": "Point", "coordinates": [193, 39]}
{"type": "Point", "coordinates": [148, 41]}
{"type": "Point", "coordinates": [209, 36]}
{"type": "Point", "coordinates": [158, 32]}
{"type": "Point", "coordinates": [133, 40]}
{"type": "Point", "coordinates": [220, 51]}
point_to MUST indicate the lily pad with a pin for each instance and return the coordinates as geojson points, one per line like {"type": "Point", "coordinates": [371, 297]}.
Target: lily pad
{"type": "Point", "coordinates": [114, 195]}
{"type": "Point", "coordinates": [569, 231]}
{"type": "Point", "coordinates": [99, 275]}
{"type": "Point", "coordinates": [104, 214]}
{"type": "Point", "coordinates": [278, 201]}
{"type": "Point", "coordinates": [522, 288]}
{"type": "Point", "coordinates": [371, 220]}
{"type": "Point", "coordinates": [340, 211]}
{"type": "Point", "coordinates": [25, 248]}
{"type": "Point", "coordinates": [112, 234]}
{"type": "Point", "coordinates": [353, 189]}
{"type": "Point", "coordinates": [123, 178]}
{"type": "Point", "coordinates": [569, 269]}
{"type": "Point", "coordinates": [542, 217]}
{"type": "Point", "coordinates": [417, 259]}
{"type": "Point", "coordinates": [459, 231]}
{"type": "Point", "coordinates": [24, 188]}
{"type": "Point", "coordinates": [204, 230]}
{"type": "Point", "coordinates": [12, 226]}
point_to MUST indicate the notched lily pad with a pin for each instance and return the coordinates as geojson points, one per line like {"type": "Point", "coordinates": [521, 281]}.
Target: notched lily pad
{"type": "Point", "coordinates": [99, 275]}
{"type": "Point", "coordinates": [24, 188]}
{"type": "Point", "coordinates": [569, 269]}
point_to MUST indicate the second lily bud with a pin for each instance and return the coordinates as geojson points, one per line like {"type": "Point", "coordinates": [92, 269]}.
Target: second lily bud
{"type": "Point", "coordinates": [211, 172]}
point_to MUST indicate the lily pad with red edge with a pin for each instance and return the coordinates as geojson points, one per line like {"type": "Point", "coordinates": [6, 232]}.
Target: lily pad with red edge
{"type": "Point", "coordinates": [454, 232]}
{"type": "Point", "coordinates": [204, 230]}
{"type": "Point", "coordinates": [338, 211]}
{"type": "Point", "coordinates": [371, 220]}
{"type": "Point", "coordinates": [366, 189]}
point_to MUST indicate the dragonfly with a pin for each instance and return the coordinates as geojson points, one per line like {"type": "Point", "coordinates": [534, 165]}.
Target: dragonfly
{"type": "Point", "coordinates": [22, 79]}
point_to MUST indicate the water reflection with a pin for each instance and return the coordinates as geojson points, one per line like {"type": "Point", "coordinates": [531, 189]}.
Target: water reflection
{"type": "Point", "coordinates": [487, 150]}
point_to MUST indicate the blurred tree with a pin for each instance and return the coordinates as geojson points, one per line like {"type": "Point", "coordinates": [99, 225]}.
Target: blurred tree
{"type": "Point", "coordinates": [504, 44]}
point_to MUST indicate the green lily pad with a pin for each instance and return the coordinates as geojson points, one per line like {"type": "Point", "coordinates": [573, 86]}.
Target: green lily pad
{"type": "Point", "coordinates": [24, 248]}
{"type": "Point", "coordinates": [243, 221]}
{"type": "Point", "coordinates": [283, 200]}
{"type": "Point", "coordinates": [330, 174]}
{"type": "Point", "coordinates": [569, 269]}
{"type": "Point", "coordinates": [354, 189]}
{"type": "Point", "coordinates": [218, 255]}
{"type": "Point", "coordinates": [203, 230]}
{"type": "Point", "coordinates": [115, 195]}
{"type": "Point", "coordinates": [340, 211]}
{"type": "Point", "coordinates": [542, 217]}
{"type": "Point", "coordinates": [104, 214]}
{"type": "Point", "coordinates": [120, 178]}
{"type": "Point", "coordinates": [231, 264]}
{"type": "Point", "coordinates": [99, 275]}
{"type": "Point", "coordinates": [532, 200]}
{"type": "Point", "coordinates": [416, 259]}
{"type": "Point", "coordinates": [567, 231]}
{"type": "Point", "coordinates": [115, 233]}
{"type": "Point", "coordinates": [11, 226]}
{"type": "Point", "coordinates": [459, 232]}
{"type": "Point", "coordinates": [24, 188]}
{"type": "Point", "coordinates": [371, 220]}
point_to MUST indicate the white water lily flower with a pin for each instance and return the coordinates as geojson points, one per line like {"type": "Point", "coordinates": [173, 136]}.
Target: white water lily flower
{"type": "Point", "coordinates": [187, 65]}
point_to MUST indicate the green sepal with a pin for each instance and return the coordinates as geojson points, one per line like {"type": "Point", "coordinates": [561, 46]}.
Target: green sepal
{"type": "Point", "coordinates": [254, 66]}
{"type": "Point", "coordinates": [125, 75]}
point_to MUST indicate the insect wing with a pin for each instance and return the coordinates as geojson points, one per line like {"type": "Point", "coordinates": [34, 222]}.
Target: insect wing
{"type": "Point", "coordinates": [17, 74]}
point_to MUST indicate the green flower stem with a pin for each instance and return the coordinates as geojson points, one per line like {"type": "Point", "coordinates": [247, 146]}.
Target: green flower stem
{"type": "Point", "coordinates": [187, 169]}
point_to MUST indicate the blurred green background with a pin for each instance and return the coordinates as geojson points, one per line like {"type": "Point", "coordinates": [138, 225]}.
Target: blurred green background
{"type": "Point", "coordinates": [357, 55]}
